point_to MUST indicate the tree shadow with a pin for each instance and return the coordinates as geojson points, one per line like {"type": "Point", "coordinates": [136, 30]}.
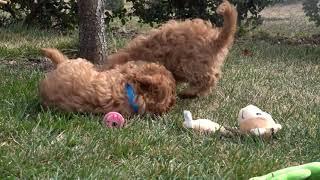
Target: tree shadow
{"type": "Point", "coordinates": [278, 39]}
{"type": "Point", "coordinates": [274, 19]}
{"type": "Point", "coordinates": [288, 2]}
{"type": "Point", "coordinates": [34, 108]}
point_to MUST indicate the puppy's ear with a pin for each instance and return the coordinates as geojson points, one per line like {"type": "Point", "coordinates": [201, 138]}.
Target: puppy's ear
{"type": "Point", "coordinates": [155, 93]}
{"type": "Point", "coordinates": [156, 86]}
{"type": "Point", "coordinates": [152, 85]}
{"type": "Point", "coordinates": [145, 82]}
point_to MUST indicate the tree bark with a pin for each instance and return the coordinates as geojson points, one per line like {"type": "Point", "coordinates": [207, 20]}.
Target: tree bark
{"type": "Point", "coordinates": [92, 38]}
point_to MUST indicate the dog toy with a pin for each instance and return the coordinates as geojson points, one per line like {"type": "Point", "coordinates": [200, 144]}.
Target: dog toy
{"type": "Point", "coordinates": [254, 121]}
{"type": "Point", "coordinates": [202, 125]}
{"type": "Point", "coordinates": [310, 171]}
{"type": "Point", "coordinates": [113, 120]}
{"type": "Point", "coordinates": [3, 2]}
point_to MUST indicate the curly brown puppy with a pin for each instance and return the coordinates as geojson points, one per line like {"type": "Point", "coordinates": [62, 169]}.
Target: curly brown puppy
{"type": "Point", "coordinates": [134, 87]}
{"type": "Point", "coordinates": [192, 50]}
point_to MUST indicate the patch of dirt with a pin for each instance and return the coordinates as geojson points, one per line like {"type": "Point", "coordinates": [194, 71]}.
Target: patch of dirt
{"type": "Point", "coordinates": [284, 11]}
{"type": "Point", "coordinates": [289, 20]}
{"type": "Point", "coordinates": [312, 40]}
{"type": "Point", "coordinates": [124, 33]}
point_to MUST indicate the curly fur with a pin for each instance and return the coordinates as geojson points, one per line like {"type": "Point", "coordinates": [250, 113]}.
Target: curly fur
{"type": "Point", "coordinates": [76, 86]}
{"type": "Point", "coordinates": [192, 50]}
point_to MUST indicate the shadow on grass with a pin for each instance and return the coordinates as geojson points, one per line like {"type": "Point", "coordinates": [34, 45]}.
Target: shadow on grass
{"type": "Point", "coordinates": [34, 108]}
{"type": "Point", "coordinates": [277, 39]}
{"type": "Point", "coordinates": [289, 2]}
{"type": "Point", "coordinates": [273, 19]}
{"type": "Point", "coordinates": [279, 49]}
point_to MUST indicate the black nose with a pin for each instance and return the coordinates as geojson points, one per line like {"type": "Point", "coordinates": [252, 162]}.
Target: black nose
{"type": "Point", "coordinates": [258, 114]}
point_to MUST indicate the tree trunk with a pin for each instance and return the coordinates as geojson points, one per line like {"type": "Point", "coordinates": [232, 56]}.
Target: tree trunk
{"type": "Point", "coordinates": [92, 30]}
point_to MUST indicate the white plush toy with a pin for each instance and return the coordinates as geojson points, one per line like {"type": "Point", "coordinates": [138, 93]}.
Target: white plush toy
{"type": "Point", "coordinates": [202, 125]}
{"type": "Point", "coordinates": [257, 122]}
{"type": "Point", "coordinates": [3, 2]}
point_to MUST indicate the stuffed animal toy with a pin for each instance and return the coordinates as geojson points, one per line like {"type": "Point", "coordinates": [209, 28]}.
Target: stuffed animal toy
{"type": "Point", "coordinates": [253, 120]}
{"type": "Point", "coordinates": [202, 125]}
{"type": "Point", "coordinates": [310, 171]}
{"type": "Point", "coordinates": [3, 2]}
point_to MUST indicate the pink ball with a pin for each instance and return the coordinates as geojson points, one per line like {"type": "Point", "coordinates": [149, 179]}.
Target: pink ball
{"type": "Point", "coordinates": [114, 120]}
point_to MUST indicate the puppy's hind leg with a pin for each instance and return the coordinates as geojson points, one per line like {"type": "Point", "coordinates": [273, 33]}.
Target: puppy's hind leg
{"type": "Point", "coordinates": [190, 92]}
{"type": "Point", "coordinates": [199, 87]}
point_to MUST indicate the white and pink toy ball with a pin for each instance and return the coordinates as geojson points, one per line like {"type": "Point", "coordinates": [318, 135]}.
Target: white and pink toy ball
{"type": "Point", "coordinates": [114, 120]}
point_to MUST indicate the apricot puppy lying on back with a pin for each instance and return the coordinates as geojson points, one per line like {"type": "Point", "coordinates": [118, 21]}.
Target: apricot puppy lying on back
{"type": "Point", "coordinates": [134, 87]}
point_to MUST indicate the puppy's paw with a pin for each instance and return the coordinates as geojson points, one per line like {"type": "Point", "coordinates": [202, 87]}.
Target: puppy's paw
{"type": "Point", "coordinates": [187, 95]}
{"type": "Point", "coordinates": [258, 131]}
{"type": "Point", "coordinates": [277, 127]}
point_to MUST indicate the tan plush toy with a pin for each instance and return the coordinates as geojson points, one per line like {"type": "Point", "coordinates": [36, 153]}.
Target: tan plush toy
{"type": "Point", "coordinates": [3, 2]}
{"type": "Point", "coordinates": [253, 120]}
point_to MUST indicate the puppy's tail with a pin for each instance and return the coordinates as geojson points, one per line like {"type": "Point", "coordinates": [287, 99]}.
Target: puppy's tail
{"type": "Point", "coordinates": [54, 55]}
{"type": "Point", "coordinates": [230, 16]}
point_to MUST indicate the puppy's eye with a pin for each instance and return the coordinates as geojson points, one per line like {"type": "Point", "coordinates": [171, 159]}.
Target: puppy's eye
{"type": "Point", "coordinates": [258, 114]}
{"type": "Point", "coordinates": [144, 87]}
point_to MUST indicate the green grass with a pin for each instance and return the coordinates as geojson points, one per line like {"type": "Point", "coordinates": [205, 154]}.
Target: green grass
{"type": "Point", "coordinates": [281, 79]}
{"type": "Point", "coordinates": [19, 42]}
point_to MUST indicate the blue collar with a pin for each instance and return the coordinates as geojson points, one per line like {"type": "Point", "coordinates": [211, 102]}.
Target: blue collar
{"type": "Point", "coordinates": [131, 97]}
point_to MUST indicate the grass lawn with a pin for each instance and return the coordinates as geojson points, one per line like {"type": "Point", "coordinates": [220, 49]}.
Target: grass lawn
{"type": "Point", "coordinates": [280, 78]}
